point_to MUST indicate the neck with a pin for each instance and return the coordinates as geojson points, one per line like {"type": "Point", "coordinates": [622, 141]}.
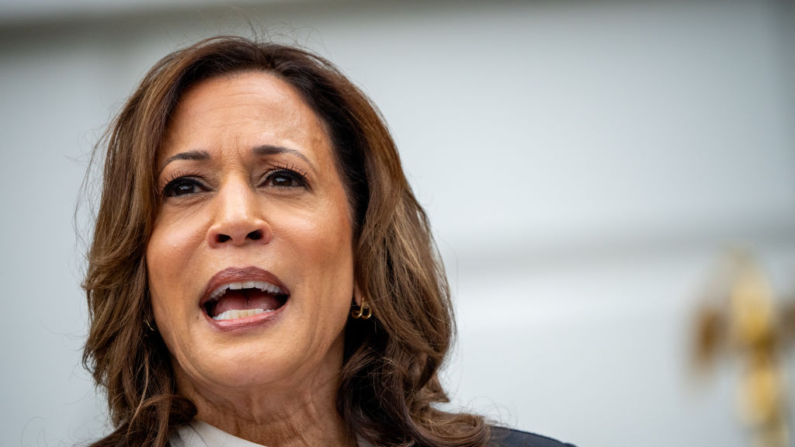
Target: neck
{"type": "Point", "coordinates": [307, 422]}
{"type": "Point", "coordinates": [294, 413]}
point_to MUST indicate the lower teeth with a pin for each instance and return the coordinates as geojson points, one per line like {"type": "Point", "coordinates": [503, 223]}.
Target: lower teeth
{"type": "Point", "coordinates": [234, 314]}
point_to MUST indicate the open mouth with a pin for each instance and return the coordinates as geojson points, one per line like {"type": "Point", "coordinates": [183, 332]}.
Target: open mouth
{"type": "Point", "coordinates": [234, 300]}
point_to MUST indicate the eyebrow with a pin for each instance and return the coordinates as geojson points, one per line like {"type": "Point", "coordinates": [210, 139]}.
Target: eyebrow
{"type": "Point", "coordinates": [262, 150]}
{"type": "Point", "coordinates": [267, 149]}
{"type": "Point", "coordinates": [200, 155]}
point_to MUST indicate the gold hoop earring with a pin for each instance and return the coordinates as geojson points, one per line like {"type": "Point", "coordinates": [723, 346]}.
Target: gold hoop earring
{"type": "Point", "coordinates": [363, 311]}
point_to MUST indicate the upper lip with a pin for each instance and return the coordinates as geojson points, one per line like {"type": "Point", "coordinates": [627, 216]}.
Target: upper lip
{"type": "Point", "coordinates": [236, 274]}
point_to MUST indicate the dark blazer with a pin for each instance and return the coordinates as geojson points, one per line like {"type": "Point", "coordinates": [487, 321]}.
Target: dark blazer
{"type": "Point", "coordinates": [508, 437]}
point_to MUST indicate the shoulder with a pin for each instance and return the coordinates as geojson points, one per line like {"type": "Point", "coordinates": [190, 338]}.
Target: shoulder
{"type": "Point", "coordinates": [508, 437]}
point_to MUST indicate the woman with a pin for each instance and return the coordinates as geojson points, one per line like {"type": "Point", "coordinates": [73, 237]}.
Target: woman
{"type": "Point", "coordinates": [261, 273]}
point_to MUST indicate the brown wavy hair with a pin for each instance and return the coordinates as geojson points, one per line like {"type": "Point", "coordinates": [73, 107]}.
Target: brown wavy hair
{"type": "Point", "coordinates": [389, 380]}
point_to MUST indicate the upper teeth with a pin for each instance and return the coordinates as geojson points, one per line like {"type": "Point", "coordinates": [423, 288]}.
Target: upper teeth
{"type": "Point", "coordinates": [234, 314]}
{"type": "Point", "coordinates": [262, 285]}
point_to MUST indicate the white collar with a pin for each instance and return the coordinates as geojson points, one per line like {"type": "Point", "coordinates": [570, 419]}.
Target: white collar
{"type": "Point", "coordinates": [201, 434]}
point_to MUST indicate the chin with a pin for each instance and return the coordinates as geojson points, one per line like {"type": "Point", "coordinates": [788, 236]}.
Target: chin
{"type": "Point", "coordinates": [272, 356]}
{"type": "Point", "coordinates": [222, 369]}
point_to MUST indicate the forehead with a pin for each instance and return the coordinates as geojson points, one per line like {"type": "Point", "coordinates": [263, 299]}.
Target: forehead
{"type": "Point", "coordinates": [242, 110]}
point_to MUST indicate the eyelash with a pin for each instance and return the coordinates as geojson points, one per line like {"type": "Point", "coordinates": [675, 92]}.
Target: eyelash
{"type": "Point", "coordinates": [298, 175]}
{"type": "Point", "coordinates": [183, 178]}
{"type": "Point", "coordinates": [177, 179]}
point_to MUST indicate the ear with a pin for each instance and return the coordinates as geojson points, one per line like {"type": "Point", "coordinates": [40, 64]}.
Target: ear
{"type": "Point", "coordinates": [357, 294]}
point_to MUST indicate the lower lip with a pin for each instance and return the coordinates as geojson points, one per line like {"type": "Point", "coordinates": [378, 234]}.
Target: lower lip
{"type": "Point", "coordinates": [241, 324]}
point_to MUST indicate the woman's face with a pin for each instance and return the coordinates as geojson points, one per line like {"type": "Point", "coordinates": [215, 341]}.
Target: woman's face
{"type": "Point", "coordinates": [250, 262]}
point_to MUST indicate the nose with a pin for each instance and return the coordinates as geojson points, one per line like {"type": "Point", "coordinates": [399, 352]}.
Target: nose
{"type": "Point", "coordinates": [238, 218]}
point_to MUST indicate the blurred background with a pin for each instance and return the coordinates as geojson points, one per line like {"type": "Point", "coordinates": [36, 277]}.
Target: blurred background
{"type": "Point", "coordinates": [585, 164]}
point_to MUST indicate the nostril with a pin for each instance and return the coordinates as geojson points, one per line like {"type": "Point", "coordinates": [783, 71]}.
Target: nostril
{"type": "Point", "coordinates": [234, 238]}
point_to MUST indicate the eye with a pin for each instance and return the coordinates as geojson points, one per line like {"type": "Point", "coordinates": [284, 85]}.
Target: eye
{"type": "Point", "coordinates": [285, 178]}
{"type": "Point", "coordinates": [182, 186]}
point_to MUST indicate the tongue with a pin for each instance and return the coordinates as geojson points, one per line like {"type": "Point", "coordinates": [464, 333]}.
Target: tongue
{"type": "Point", "coordinates": [245, 299]}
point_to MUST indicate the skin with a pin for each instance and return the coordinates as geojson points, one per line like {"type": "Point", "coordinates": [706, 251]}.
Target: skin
{"type": "Point", "coordinates": [276, 383]}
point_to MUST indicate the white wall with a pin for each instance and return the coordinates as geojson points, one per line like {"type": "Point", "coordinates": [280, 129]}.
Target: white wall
{"type": "Point", "coordinates": [583, 164]}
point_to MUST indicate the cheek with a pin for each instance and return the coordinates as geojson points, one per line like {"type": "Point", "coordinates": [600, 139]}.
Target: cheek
{"type": "Point", "coordinates": [174, 240]}
{"type": "Point", "coordinates": [323, 240]}
{"type": "Point", "coordinates": [168, 255]}
{"type": "Point", "coordinates": [173, 243]}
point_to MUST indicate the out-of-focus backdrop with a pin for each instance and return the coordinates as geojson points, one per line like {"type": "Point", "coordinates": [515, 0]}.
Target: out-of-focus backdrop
{"type": "Point", "coordinates": [584, 163]}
